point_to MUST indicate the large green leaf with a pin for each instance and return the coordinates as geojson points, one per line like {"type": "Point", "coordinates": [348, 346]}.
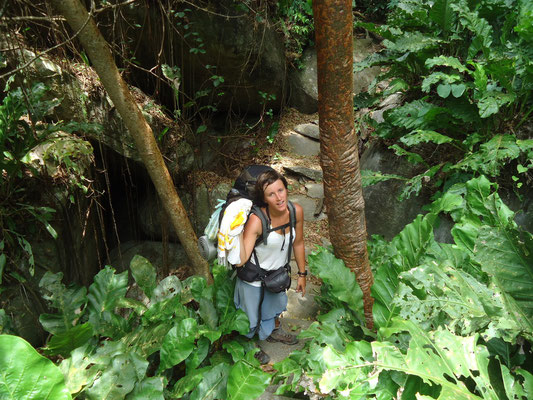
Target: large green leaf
{"type": "Point", "coordinates": [440, 295]}
{"type": "Point", "coordinates": [413, 241]}
{"type": "Point", "coordinates": [442, 14]}
{"type": "Point", "coordinates": [498, 151]}
{"type": "Point", "coordinates": [119, 377]}
{"type": "Point", "coordinates": [169, 287]}
{"type": "Point", "coordinates": [146, 340]}
{"type": "Point", "coordinates": [79, 369]}
{"type": "Point", "coordinates": [188, 383]}
{"type": "Point", "coordinates": [103, 295]}
{"type": "Point", "coordinates": [370, 178]}
{"type": "Point", "coordinates": [465, 232]}
{"type": "Point", "coordinates": [414, 185]}
{"type": "Point", "coordinates": [383, 291]}
{"type": "Point", "coordinates": [347, 371]}
{"type": "Point", "coordinates": [235, 321]}
{"type": "Point", "coordinates": [178, 343]}
{"type": "Point", "coordinates": [340, 280]}
{"type": "Point", "coordinates": [213, 384]}
{"type": "Point", "coordinates": [165, 310]}
{"type": "Point", "coordinates": [208, 313]}
{"type": "Point", "coordinates": [507, 255]}
{"type": "Point", "coordinates": [437, 77]}
{"type": "Point", "coordinates": [68, 301]}
{"type": "Point", "coordinates": [417, 114]}
{"type": "Point", "coordinates": [524, 25]}
{"type": "Point", "coordinates": [481, 208]}
{"type": "Point", "coordinates": [144, 274]}
{"type": "Point", "coordinates": [64, 342]}
{"type": "Point", "coordinates": [246, 381]}
{"type": "Point", "coordinates": [148, 389]}
{"type": "Point", "coordinates": [471, 21]}
{"type": "Point", "coordinates": [492, 101]}
{"type": "Point", "coordinates": [411, 42]}
{"type": "Point", "coordinates": [331, 334]}
{"type": "Point", "coordinates": [198, 356]}
{"type": "Point", "coordinates": [439, 358]}
{"type": "Point", "coordinates": [25, 374]}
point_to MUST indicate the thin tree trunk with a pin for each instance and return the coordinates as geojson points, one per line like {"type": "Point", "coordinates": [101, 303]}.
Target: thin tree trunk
{"type": "Point", "coordinates": [104, 64]}
{"type": "Point", "coordinates": [338, 141]}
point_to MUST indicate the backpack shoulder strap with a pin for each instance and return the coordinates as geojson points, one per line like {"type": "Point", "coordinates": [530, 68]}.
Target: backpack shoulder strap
{"type": "Point", "coordinates": [292, 214]}
{"type": "Point", "coordinates": [264, 223]}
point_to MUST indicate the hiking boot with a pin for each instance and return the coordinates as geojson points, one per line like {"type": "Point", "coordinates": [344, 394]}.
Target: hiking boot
{"type": "Point", "coordinates": [279, 335]}
{"type": "Point", "coordinates": [262, 357]}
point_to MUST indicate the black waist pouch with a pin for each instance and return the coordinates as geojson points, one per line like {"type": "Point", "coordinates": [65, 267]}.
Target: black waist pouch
{"type": "Point", "coordinates": [279, 280]}
{"type": "Point", "coordinates": [275, 281]}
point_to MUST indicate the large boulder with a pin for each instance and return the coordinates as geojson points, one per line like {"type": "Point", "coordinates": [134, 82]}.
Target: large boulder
{"type": "Point", "coordinates": [303, 81]}
{"type": "Point", "coordinates": [385, 214]}
{"type": "Point", "coordinates": [82, 99]}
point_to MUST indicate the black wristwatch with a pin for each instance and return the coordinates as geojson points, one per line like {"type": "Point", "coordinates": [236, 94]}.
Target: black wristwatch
{"type": "Point", "coordinates": [302, 273]}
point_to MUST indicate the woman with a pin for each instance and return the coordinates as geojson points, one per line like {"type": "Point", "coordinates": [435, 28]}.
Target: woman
{"type": "Point", "coordinates": [271, 191]}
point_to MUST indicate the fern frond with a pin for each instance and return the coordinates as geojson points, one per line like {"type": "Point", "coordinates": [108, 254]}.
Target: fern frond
{"type": "Point", "coordinates": [414, 185]}
{"type": "Point", "coordinates": [447, 62]}
{"type": "Point", "coordinates": [415, 115]}
{"type": "Point", "coordinates": [471, 21]}
{"type": "Point", "coordinates": [370, 178]}
{"type": "Point", "coordinates": [412, 42]}
{"type": "Point", "coordinates": [492, 156]}
{"type": "Point", "coordinates": [424, 136]}
{"type": "Point", "coordinates": [412, 158]}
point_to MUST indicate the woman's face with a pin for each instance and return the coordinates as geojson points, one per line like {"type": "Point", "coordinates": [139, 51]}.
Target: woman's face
{"type": "Point", "coordinates": [276, 196]}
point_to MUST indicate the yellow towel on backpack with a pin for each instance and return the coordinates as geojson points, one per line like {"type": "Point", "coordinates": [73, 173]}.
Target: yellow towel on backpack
{"type": "Point", "coordinates": [232, 224]}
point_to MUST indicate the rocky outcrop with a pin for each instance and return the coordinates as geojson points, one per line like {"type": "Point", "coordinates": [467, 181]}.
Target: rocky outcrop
{"type": "Point", "coordinates": [209, 44]}
{"type": "Point", "coordinates": [303, 81]}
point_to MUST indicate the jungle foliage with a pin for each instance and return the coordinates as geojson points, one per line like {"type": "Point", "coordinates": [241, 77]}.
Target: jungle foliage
{"type": "Point", "coordinates": [454, 320]}
{"type": "Point", "coordinates": [465, 72]}
{"type": "Point", "coordinates": [32, 147]}
{"type": "Point", "coordinates": [174, 339]}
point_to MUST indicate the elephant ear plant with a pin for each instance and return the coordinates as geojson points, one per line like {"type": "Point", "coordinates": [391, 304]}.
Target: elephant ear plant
{"type": "Point", "coordinates": [177, 339]}
{"type": "Point", "coordinates": [454, 319]}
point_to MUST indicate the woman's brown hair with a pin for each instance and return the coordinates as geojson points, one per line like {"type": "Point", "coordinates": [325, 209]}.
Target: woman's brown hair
{"type": "Point", "coordinates": [265, 179]}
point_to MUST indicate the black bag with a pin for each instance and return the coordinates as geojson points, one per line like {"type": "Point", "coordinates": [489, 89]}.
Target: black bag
{"type": "Point", "coordinates": [279, 280]}
{"type": "Point", "coordinates": [250, 272]}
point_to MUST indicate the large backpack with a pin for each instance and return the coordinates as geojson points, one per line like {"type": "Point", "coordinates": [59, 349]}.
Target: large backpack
{"type": "Point", "coordinates": [244, 187]}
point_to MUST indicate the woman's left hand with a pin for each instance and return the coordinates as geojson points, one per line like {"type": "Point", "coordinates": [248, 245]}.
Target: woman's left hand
{"type": "Point", "coordinates": [301, 285]}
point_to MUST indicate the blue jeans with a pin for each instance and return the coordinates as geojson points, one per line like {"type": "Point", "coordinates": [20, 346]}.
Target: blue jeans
{"type": "Point", "coordinates": [247, 298]}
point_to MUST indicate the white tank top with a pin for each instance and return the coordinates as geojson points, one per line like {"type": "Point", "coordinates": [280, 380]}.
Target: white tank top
{"type": "Point", "coordinates": [271, 256]}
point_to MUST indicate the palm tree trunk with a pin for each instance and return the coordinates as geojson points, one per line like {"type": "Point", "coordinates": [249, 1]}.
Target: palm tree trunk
{"type": "Point", "coordinates": [104, 64]}
{"type": "Point", "coordinates": [339, 157]}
